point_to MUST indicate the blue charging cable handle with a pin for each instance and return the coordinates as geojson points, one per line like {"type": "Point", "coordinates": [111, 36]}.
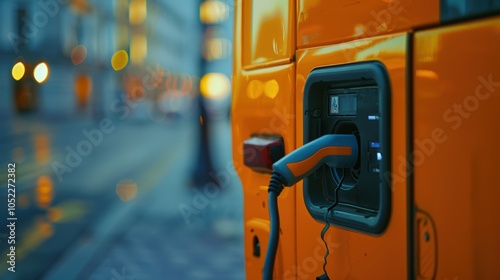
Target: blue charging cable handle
{"type": "Point", "coordinates": [335, 150]}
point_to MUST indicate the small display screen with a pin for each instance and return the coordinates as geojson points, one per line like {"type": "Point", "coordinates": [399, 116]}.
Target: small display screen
{"type": "Point", "coordinates": [343, 104]}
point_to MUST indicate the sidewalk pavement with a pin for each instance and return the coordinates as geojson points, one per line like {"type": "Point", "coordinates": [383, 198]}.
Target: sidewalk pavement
{"type": "Point", "coordinates": [149, 238]}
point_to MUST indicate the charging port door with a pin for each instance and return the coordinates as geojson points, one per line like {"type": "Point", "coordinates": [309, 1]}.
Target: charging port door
{"type": "Point", "coordinates": [351, 99]}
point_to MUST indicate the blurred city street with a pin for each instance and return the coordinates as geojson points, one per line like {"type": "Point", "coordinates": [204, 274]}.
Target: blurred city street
{"type": "Point", "coordinates": [118, 211]}
{"type": "Point", "coordinates": [114, 129]}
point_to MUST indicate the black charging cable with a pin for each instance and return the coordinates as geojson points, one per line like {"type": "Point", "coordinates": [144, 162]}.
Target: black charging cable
{"type": "Point", "coordinates": [334, 150]}
{"type": "Point", "coordinates": [327, 223]}
{"type": "Point", "coordinates": [274, 190]}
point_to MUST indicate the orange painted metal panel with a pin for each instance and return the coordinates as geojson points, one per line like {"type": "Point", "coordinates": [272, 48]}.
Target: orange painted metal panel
{"type": "Point", "coordinates": [456, 110]}
{"type": "Point", "coordinates": [264, 103]}
{"type": "Point", "coordinates": [355, 255]}
{"type": "Point", "coordinates": [268, 32]}
{"type": "Point", "coordinates": [321, 22]}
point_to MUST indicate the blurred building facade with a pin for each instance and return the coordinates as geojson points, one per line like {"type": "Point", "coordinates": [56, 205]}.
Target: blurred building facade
{"type": "Point", "coordinates": [80, 37]}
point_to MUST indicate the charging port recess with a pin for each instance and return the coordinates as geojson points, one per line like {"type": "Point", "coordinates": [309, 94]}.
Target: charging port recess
{"type": "Point", "coordinates": [351, 99]}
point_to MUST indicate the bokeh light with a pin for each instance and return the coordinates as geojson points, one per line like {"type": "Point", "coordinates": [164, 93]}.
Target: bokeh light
{"type": "Point", "coordinates": [41, 72]}
{"type": "Point", "coordinates": [18, 71]}
{"type": "Point", "coordinates": [255, 88]}
{"type": "Point", "coordinates": [83, 89]}
{"type": "Point", "coordinates": [44, 191]}
{"type": "Point", "coordinates": [429, 74]}
{"type": "Point", "coordinates": [78, 54]}
{"type": "Point", "coordinates": [126, 190]}
{"type": "Point", "coordinates": [217, 48]}
{"type": "Point", "coordinates": [138, 48]}
{"type": "Point", "coordinates": [213, 11]}
{"type": "Point", "coordinates": [119, 60]}
{"type": "Point", "coordinates": [215, 85]}
{"type": "Point", "coordinates": [137, 11]}
{"type": "Point", "coordinates": [271, 88]}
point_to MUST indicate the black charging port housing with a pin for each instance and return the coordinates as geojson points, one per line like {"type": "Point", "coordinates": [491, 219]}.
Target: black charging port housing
{"type": "Point", "coordinates": [351, 99]}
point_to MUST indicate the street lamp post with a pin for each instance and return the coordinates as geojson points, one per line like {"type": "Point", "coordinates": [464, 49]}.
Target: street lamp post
{"type": "Point", "coordinates": [212, 12]}
{"type": "Point", "coordinates": [204, 164]}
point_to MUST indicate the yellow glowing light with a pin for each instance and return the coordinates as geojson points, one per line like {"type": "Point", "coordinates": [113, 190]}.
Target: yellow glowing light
{"type": "Point", "coordinates": [137, 11]}
{"type": "Point", "coordinates": [41, 72]}
{"type": "Point", "coordinates": [126, 190]}
{"type": "Point", "coordinates": [138, 48]}
{"type": "Point", "coordinates": [78, 54]}
{"type": "Point", "coordinates": [119, 60]}
{"type": "Point", "coordinates": [213, 11]}
{"type": "Point", "coordinates": [429, 74]}
{"type": "Point", "coordinates": [44, 191]}
{"type": "Point", "coordinates": [215, 85]}
{"type": "Point", "coordinates": [18, 71]}
{"type": "Point", "coordinates": [271, 88]}
{"type": "Point", "coordinates": [255, 88]}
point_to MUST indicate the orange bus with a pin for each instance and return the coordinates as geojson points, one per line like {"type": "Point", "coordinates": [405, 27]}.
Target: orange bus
{"type": "Point", "coordinates": [417, 86]}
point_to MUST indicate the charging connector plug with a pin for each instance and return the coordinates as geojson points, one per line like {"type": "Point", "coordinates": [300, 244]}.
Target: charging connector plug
{"type": "Point", "coordinates": [335, 150]}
